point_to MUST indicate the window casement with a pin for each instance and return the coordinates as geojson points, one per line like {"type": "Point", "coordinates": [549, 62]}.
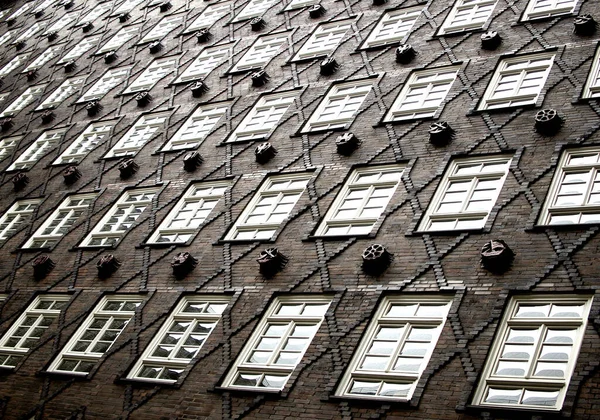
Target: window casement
{"type": "Point", "coordinates": [20, 11]}
{"type": "Point", "coordinates": [26, 98]}
{"type": "Point", "coordinates": [468, 15]}
{"type": "Point", "coordinates": [534, 353]}
{"type": "Point", "coordinates": [14, 64]}
{"type": "Point", "coordinates": [162, 28]}
{"type": "Point", "coordinates": [340, 106]}
{"type": "Point", "coordinates": [324, 40]}
{"type": "Point", "coordinates": [152, 74]}
{"type": "Point", "coordinates": [211, 14]}
{"type": "Point", "coordinates": [41, 7]}
{"type": "Point", "coordinates": [180, 339]}
{"type": "Point", "coordinates": [197, 127]}
{"type": "Point", "coordinates": [47, 141]}
{"type": "Point", "coordinates": [119, 219]}
{"type": "Point", "coordinates": [517, 81]}
{"type": "Point", "coordinates": [261, 52]}
{"type": "Point", "coordinates": [6, 37]}
{"type": "Point", "coordinates": [592, 85]}
{"type": "Point", "coordinates": [466, 194]}
{"type": "Point", "coordinates": [537, 9]}
{"type": "Point", "coordinates": [48, 54]}
{"type": "Point", "coordinates": [278, 343]}
{"type": "Point", "coordinates": [66, 89]}
{"type": "Point", "coordinates": [96, 12]}
{"type": "Point", "coordinates": [60, 23]}
{"type": "Point", "coordinates": [206, 62]}
{"type": "Point", "coordinates": [16, 216]}
{"type": "Point", "coordinates": [8, 145]}
{"type": "Point", "coordinates": [396, 347]}
{"type": "Point", "coordinates": [297, 4]}
{"type": "Point", "coordinates": [93, 135]}
{"type": "Point", "coordinates": [423, 94]}
{"type": "Point", "coordinates": [263, 118]}
{"type": "Point", "coordinates": [126, 7]}
{"type": "Point", "coordinates": [189, 213]}
{"type": "Point", "coordinates": [253, 9]}
{"type": "Point", "coordinates": [29, 33]}
{"type": "Point", "coordinates": [138, 135]}
{"type": "Point", "coordinates": [361, 201]}
{"type": "Point", "coordinates": [269, 207]}
{"type": "Point", "coordinates": [393, 27]}
{"type": "Point", "coordinates": [109, 80]}
{"type": "Point", "coordinates": [26, 331]}
{"type": "Point", "coordinates": [119, 39]}
{"type": "Point", "coordinates": [81, 48]}
{"type": "Point", "coordinates": [96, 335]}
{"type": "Point", "coordinates": [60, 222]}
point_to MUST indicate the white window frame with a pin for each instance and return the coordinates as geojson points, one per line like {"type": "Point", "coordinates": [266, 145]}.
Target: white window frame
{"type": "Point", "coordinates": [323, 34]}
{"type": "Point", "coordinates": [109, 80]}
{"type": "Point", "coordinates": [46, 141]}
{"type": "Point", "coordinates": [96, 12]}
{"type": "Point", "coordinates": [29, 33]}
{"type": "Point", "coordinates": [156, 71]}
{"type": "Point", "coordinates": [401, 21]}
{"type": "Point", "coordinates": [48, 54]}
{"type": "Point", "coordinates": [297, 4]}
{"type": "Point", "coordinates": [592, 84]}
{"type": "Point", "coordinates": [119, 39]}
{"type": "Point", "coordinates": [209, 16]}
{"type": "Point", "coordinates": [464, 219]}
{"type": "Point", "coordinates": [8, 145]}
{"type": "Point", "coordinates": [24, 100]}
{"type": "Point", "coordinates": [99, 313]}
{"type": "Point", "coordinates": [544, 324]}
{"type": "Point", "coordinates": [271, 370]}
{"type": "Point", "coordinates": [67, 88]}
{"type": "Point", "coordinates": [208, 60]}
{"type": "Point", "coordinates": [15, 216]}
{"type": "Point", "coordinates": [520, 68]}
{"type": "Point", "coordinates": [262, 51]}
{"type": "Point", "coordinates": [554, 9]}
{"type": "Point", "coordinates": [140, 133]}
{"type": "Point", "coordinates": [13, 64]}
{"type": "Point", "coordinates": [89, 138]}
{"type": "Point", "coordinates": [253, 9]}
{"type": "Point", "coordinates": [423, 94]}
{"type": "Point", "coordinates": [162, 28]}
{"type": "Point", "coordinates": [5, 37]}
{"type": "Point", "coordinates": [365, 194]}
{"type": "Point", "coordinates": [468, 15]}
{"type": "Point", "coordinates": [20, 10]}
{"type": "Point", "coordinates": [81, 48]}
{"type": "Point", "coordinates": [64, 21]}
{"type": "Point", "coordinates": [126, 7]}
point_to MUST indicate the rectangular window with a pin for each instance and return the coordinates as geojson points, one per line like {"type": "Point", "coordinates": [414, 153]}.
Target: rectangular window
{"type": "Point", "coordinates": [66, 89]}
{"type": "Point", "coordinates": [517, 81]}
{"type": "Point", "coordinates": [5, 37]}
{"type": "Point", "coordinates": [121, 216]}
{"type": "Point", "coordinates": [297, 4]}
{"type": "Point", "coordinates": [254, 8]}
{"type": "Point", "coordinates": [423, 94]}
{"type": "Point", "coordinates": [96, 12]}
{"type": "Point", "coordinates": [29, 33]}
{"type": "Point", "coordinates": [340, 106]}
{"type": "Point", "coordinates": [395, 348]}
{"type": "Point", "coordinates": [263, 118]}
{"type": "Point", "coordinates": [61, 221]}
{"type": "Point", "coordinates": [26, 98]}
{"type": "Point", "coordinates": [60, 23]}
{"type": "Point", "coordinates": [195, 129]}
{"type": "Point", "coordinates": [119, 39]}
{"type": "Point", "coordinates": [14, 64]}
{"type": "Point", "coordinates": [180, 338]}
{"type": "Point", "coordinates": [138, 135]}
{"type": "Point", "coordinates": [466, 194]}
{"type": "Point", "coordinates": [261, 52]}
{"type": "Point", "coordinates": [96, 335]}
{"type": "Point", "coordinates": [534, 352]}
{"type": "Point", "coordinates": [16, 216]}
{"type": "Point", "coordinates": [211, 14]}
{"type": "Point", "coordinates": [126, 7]}
{"type": "Point", "coordinates": [20, 10]}
{"type": "Point", "coordinates": [324, 40]}
{"type": "Point", "coordinates": [152, 74]}
{"type": "Point", "coordinates": [26, 331]}
{"type": "Point", "coordinates": [81, 48]}
{"type": "Point", "coordinates": [362, 200]}
{"type": "Point", "coordinates": [269, 207]}
{"type": "Point", "coordinates": [189, 213]}
{"type": "Point", "coordinates": [592, 86]}
{"type": "Point", "coordinates": [467, 15]}
{"type": "Point", "coordinates": [278, 343]}
{"type": "Point", "coordinates": [162, 28]}
{"type": "Point", "coordinates": [546, 8]}
{"type": "Point", "coordinates": [48, 54]}
{"type": "Point", "coordinates": [93, 135]}
{"type": "Point", "coordinates": [47, 141]}
{"type": "Point", "coordinates": [7, 145]}
{"type": "Point", "coordinates": [111, 79]}
{"type": "Point", "coordinates": [393, 27]}
{"type": "Point", "coordinates": [206, 62]}
{"type": "Point", "coordinates": [43, 6]}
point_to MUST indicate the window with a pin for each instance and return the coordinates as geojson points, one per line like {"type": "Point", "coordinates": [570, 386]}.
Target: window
{"type": "Point", "coordinates": [339, 106]}
{"type": "Point", "coordinates": [209, 16]}
{"type": "Point", "coordinates": [467, 15]}
{"type": "Point", "coordinates": [263, 118]}
{"type": "Point", "coordinates": [5, 37]}
{"type": "Point", "coordinates": [466, 194]}
{"type": "Point", "coordinates": [16, 216]}
{"type": "Point", "coordinates": [119, 39]}
{"type": "Point", "coordinates": [20, 11]}
{"type": "Point", "coordinates": [297, 4]}
{"type": "Point", "coordinates": [29, 33]}
{"type": "Point", "coordinates": [393, 27]}
{"type": "Point", "coordinates": [96, 12]}
{"type": "Point", "coordinates": [48, 54]}
{"type": "Point", "coordinates": [324, 40]}
{"type": "Point", "coordinates": [261, 52]}
{"type": "Point", "coordinates": [254, 8]}
{"type": "Point", "coordinates": [189, 213]}
{"type": "Point", "coordinates": [93, 135]}
{"type": "Point", "coordinates": [180, 338]}
{"type": "Point", "coordinates": [206, 62]}
{"type": "Point", "coordinates": [278, 343]}
{"type": "Point", "coordinates": [81, 48]}
{"type": "Point", "coordinates": [47, 141]}
{"type": "Point", "coordinates": [138, 135]}
{"type": "Point", "coordinates": [61, 221]}
{"type": "Point", "coordinates": [361, 201]}
{"type": "Point", "coordinates": [423, 94]}
{"type": "Point", "coordinates": [545, 8]}
{"type": "Point", "coordinates": [534, 352]}
{"type": "Point", "coordinates": [14, 64]}
{"type": "Point", "coordinates": [7, 145]}
{"type": "Point", "coordinates": [96, 335]}
{"type": "Point", "coordinates": [269, 207]}
{"type": "Point", "coordinates": [592, 86]}
{"type": "Point", "coordinates": [162, 28]}
{"type": "Point", "coordinates": [517, 81]}
{"type": "Point", "coordinates": [106, 83]}
{"type": "Point", "coordinates": [66, 89]}
{"type": "Point", "coordinates": [153, 73]}
{"type": "Point", "coordinates": [395, 348]}
{"type": "Point", "coordinates": [59, 24]}
{"type": "Point", "coordinates": [126, 7]}
{"type": "Point", "coordinates": [42, 6]}
{"type": "Point", "coordinates": [26, 331]}
{"type": "Point", "coordinates": [121, 216]}
{"type": "Point", "coordinates": [197, 127]}
{"type": "Point", "coordinates": [26, 98]}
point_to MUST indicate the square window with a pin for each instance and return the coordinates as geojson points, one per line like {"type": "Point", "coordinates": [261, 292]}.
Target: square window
{"type": "Point", "coordinates": [109, 80]}
{"type": "Point", "coordinates": [208, 60]}
{"type": "Point", "coordinates": [211, 14]}
{"type": "Point", "coordinates": [48, 54]}
{"type": "Point", "coordinates": [47, 141]}
{"type": "Point", "coordinates": [592, 86]}
{"type": "Point", "coordinates": [324, 40]}
{"type": "Point", "coordinates": [138, 135]}
{"type": "Point", "coordinates": [197, 127]}
{"type": "Point", "coordinates": [16, 216]}
{"type": "Point", "coordinates": [13, 64]}
{"type": "Point", "coordinates": [91, 137]}
{"type": "Point", "coordinates": [537, 9]}
{"type": "Point", "coordinates": [119, 39]}
{"type": "Point", "coordinates": [162, 28]}
{"type": "Point", "coordinates": [152, 74]}
{"type": "Point", "coordinates": [393, 27]}
{"type": "Point", "coordinates": [254, 8]}
{"type": "Point", "coordinates": [66, 89]}
{"type": "Point", "coordinates": [261, 52]}
{"type": "Point", "coordinates": [81, 48]}
{"type": "Point", "coordinates": [25, 99]}
{"type": "Point", "coordinates": [468, 15]}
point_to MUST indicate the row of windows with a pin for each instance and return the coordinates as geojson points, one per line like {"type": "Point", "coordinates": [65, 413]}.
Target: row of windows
{"type": "Point", "coordinates": [529, 366]}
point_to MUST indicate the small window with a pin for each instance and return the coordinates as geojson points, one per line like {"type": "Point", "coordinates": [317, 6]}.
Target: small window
{"type": "Point", "coordinates": [517, 81]}
{"type": "Point", "coordinates": [41, 7]}
{"type": "Point", "coordinates": [61, 23]}
{"type": "Point", "coordinates": [211, 14]}
{"type": "Point", "coordinates": [109, 80]}
{"type": "Point", "coordinates": [48, 54]}
{"type": "Point", "coordinates": [138, 135]}
{"type": "Point", "coordinates": [96, 335]}
{"type": "Point", "coordinates": [340, 106]}
{"type": "Point", "coordinates": [534, 352]}
{"type": "Point", "coordinates": [423, 94]}
{"type": "Point", "coordinates": [537, 9]}
{"type": "Point", "coordinates": [91, 137]}
{"type": "Point", "coordinates": [269, 207]}
{"type": "Point", "coordinates": [126, 7]}
{"type": "Point", "coordinates": [47, 141]}
{"type": "Point", "coordinates": [395, 348]}
{"type": "Point", "coordinates": [13, 64]}
{"type": "Point", "coordinates": [592, 86]}
{"type": "Point", "coordinates": [16, 216]}
{"type": "Point", "coordinates": [297, 4]}
{"type": "Point", "coordinates": [393, 27]}
{"type": "Point", "coordinates": [96, 12]}
{"type": "Point", "coordinates": [162, 28]}
{"type": "Point", "coordinates": [189, 213]}
{"type": "Point", "coordinates": [119, 39]}
{"type": "Point", "coordinates": [197, 127]}
{"type": "Point", "coordinates": [29, 33]}
{"type": "Point", "coordinates": [153, 73]}
{"type": "Point", "coordinates": [81, 48]}
{"type": "Point", "coordinates": [6, 37]}
{"type": "Point", "coordinates": [361, 202]}
{"type": "Point", "coordinates": [261, 52]}
{"type": "Point", "coordinates": [66, 89]}
{"type": "Point", "coordinates": [119, 219]}
{"type": "Point", "coordinates": [8, 145]}
{"type": "Point", "coordinates": [278, 343]}
{"type": "Point", "coordinates": [29, 96]}
{"type": "Point", "coordinates": [263, 118]}
{"type": "Point", "coordinates": [324, 40]}
{"type": "Point", "coordinates": [254, 8]}
{"type": "Point", "coordinates": [207, 61]}
{"type": "Point", "coordinates": [468, 15]}
{"type": "Point", "coordinates": [21, 10]}
{"type": "Point", "coordinates": [466, 194]}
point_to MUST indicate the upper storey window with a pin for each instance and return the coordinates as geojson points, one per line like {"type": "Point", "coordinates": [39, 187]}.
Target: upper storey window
{"type": "Point", "coordinates": [254, 8]}
{"type": "Point", "coordinates": [60, 23]}
{"type": "Point", "coordinates": [14, 64]}
{"type": "Point", "coordinates": [152, 74]}
{"type": "Point", "coordinates": [81, 48]}
{"type": "Point", "coordinates": [206, 62]}
{"type": "Point", "coordinates": [467, 15]}
{"type": "Point", "coordinates": [324, 40]}
{"type": "Point", "coordinates": [592, 86]}
{"type": "Point", "coordinates": [126, 7]}
{"type": "Point", "coordinates": [7, 145]}
{"type": "Point", "coordinates": [96, 12]}
{"type": "Point", "coordinates": [85, 142]}
{"type": "Point", "coordinates": [261, 52]}
{"type": "Point", "coordinates": [16, 216]}
{"type": "Point", "coordinates": [29, 33]}
{"type": "Point", "coordinates": [26, 98]}
{"type": "Point", "coordinates": [47, 55]}
{"type": "Point", "coordinates": [209, 16]}
{"type": "Point", "coordinates": [66, 89]}
{"type": "Point", "coordinates": [138, 135]}
{"type": "Point", "coordinates": [393, 27]}
{"type": "Point", "coordinates": [195, 129]}
{"type": "Point", "coordinates": [47, 141]}
{"type": "Point", "coordinates": [297, 4]}
{"type": "Point", "coordinates": [5, 37]}
{"type": "Point", "coordinates": [546, 8]}
{"type": "Point", "coordinates": [162, 28]}
{"type": "Point", "coordinates": [21, 10]}
{"type": "Point", "coordinates": [106, 83]}
{"type": "Point", "coordinates": [119, 39]}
